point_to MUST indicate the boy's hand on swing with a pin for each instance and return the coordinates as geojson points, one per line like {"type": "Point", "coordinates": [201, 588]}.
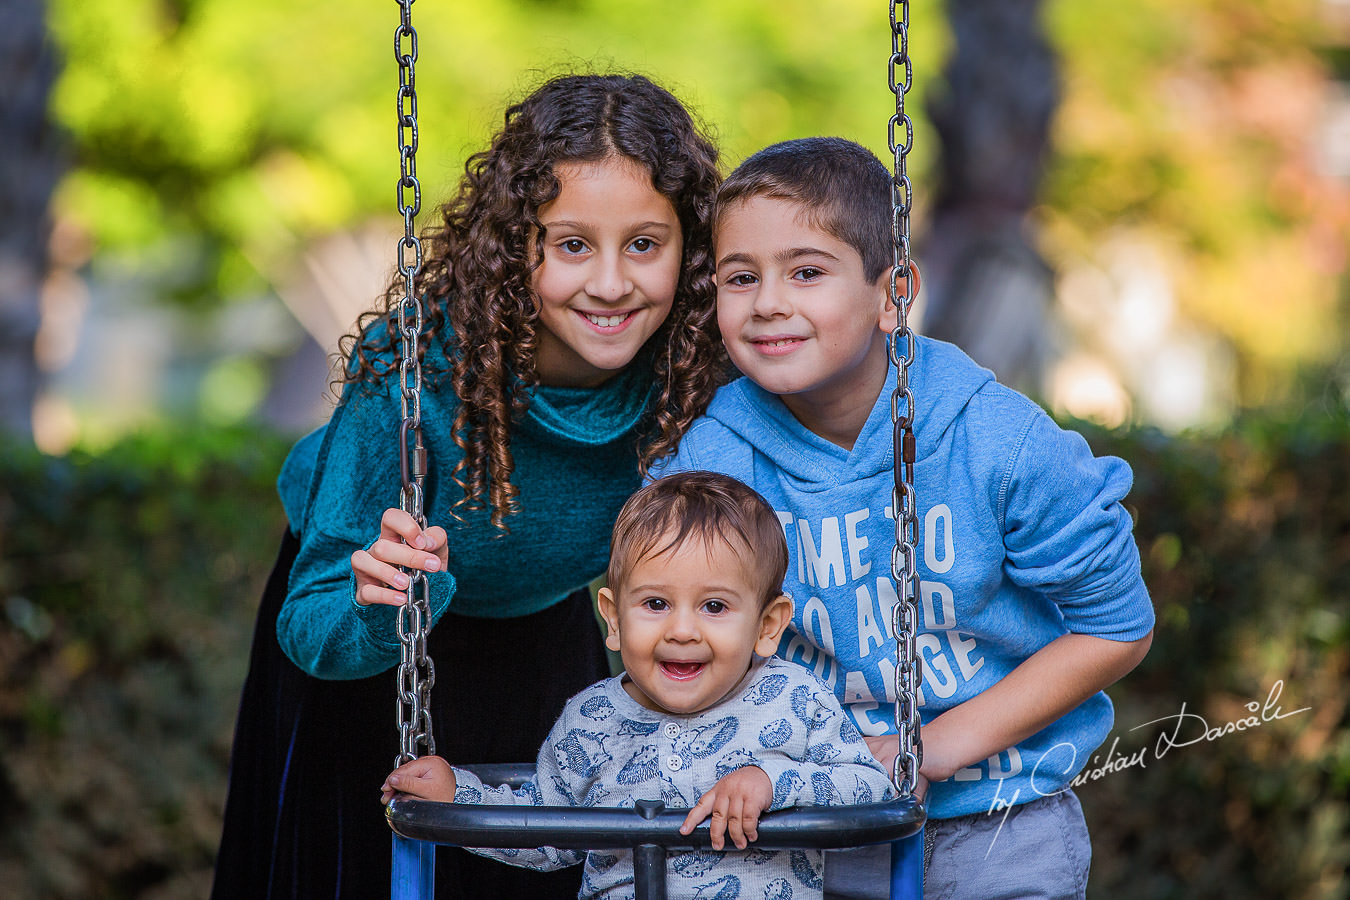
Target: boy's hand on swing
{"type": "Point", "coordinates": [886, 747]}
{"type": "Point", "coordinates": [401, 543]}
{"type": "Point", "coordinates": [734, 804]}
{"type": "Point", "coordinates": [424, 778]}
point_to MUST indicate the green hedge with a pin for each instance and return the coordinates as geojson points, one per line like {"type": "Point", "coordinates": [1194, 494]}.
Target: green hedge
{"type": "Point", "coordinates": [1246, 546]}
{"type": "Point", "coordinates": [129, 583]}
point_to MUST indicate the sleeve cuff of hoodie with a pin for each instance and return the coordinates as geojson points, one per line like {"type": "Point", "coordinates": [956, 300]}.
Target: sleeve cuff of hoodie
{"type": "Point", "coordinates": [1127, 615]}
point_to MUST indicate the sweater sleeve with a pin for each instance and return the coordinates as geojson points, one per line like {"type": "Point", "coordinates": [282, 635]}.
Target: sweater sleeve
{"type": "Point", "coordinates": [321, 627]}
{"type": "Point", "coordinates": [1068, 536]}
{"type": "Point", "coordinates": [550, 786]}
{"type": "Point", "coordinates": [835, 768]}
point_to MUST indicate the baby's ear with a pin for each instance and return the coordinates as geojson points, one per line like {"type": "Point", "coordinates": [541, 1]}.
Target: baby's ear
{"type": "Point", "coordinates": [609, 611]}
{"type": "Point", "coordinates": [772, 623]}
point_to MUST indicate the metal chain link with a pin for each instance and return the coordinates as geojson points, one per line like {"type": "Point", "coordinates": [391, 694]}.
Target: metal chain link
{"type": "Point", "coordinates": [901, 344]}
{"type": "Point", "coordinates": [416, 674]}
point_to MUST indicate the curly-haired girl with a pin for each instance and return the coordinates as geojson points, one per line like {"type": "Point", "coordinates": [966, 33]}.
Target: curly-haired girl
{"type": "Point", "coordinates": [569, 340]}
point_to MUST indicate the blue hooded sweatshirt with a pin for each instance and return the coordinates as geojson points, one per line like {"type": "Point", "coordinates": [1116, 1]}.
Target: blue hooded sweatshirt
{"type": "Point", "coordinates": [1023, 539]}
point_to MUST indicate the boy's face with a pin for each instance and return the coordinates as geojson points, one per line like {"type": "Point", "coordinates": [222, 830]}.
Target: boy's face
{"type": "Point", "coordinates": [686, 623]}
{"type": "Point", "coordinates": [797, 313]}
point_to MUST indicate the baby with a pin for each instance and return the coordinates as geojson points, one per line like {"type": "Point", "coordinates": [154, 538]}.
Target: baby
{"type": "Point", "coordinates": [700, 719]}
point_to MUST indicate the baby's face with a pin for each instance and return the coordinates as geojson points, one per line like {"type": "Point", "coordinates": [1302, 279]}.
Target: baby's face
{"type": "Point", "coordinates": [687, 623]}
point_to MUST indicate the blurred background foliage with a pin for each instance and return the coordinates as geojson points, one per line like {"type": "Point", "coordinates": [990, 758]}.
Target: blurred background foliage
{"type": "Point", "coordinates": [216, 143]}
{"type": "Point", "coordinates": [227, 208]}
{"type": "Point", "coordinates": [243, 127]}
{"type": "Point", "coordinates": [1201, 128]}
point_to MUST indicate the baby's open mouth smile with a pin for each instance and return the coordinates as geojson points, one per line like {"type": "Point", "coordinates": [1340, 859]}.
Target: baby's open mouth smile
{"type": "Point", "coordinates": [681, 671]}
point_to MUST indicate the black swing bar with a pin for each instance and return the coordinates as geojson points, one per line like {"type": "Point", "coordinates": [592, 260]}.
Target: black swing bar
{"type": "Point", "coordinates": [649, 830]}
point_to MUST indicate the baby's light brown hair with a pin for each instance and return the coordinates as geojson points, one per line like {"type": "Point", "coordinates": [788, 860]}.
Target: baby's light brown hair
{"type": "Point", "coordinates": [707, 506]}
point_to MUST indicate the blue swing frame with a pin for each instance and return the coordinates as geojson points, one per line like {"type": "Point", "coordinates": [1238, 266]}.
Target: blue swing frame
{"type": "Point", "coordinates": [649, 830]}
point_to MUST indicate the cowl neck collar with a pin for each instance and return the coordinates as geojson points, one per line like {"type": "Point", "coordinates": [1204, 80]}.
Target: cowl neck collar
{"type": "Point", "coordinates": [591, 417]}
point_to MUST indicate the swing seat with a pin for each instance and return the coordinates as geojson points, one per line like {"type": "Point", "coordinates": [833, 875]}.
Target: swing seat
{"type": "Point", "coordinates": [650, 830]}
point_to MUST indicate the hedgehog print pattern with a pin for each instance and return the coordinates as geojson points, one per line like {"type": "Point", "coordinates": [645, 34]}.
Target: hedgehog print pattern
{"type": "Point", "coordinates": [700, 743]}
{"type": "Point", "coordinates": [582, 753]}
{"type": "Point", "coordinates": [775, 734]}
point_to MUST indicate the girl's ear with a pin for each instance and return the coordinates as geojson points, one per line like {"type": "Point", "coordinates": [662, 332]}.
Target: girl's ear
{"type": "Point", "coordinates": [773, 621]}
{"type": "Point", "coordinates": [886, 322]}
{"type": "Point", "coordinates": [609, 611]}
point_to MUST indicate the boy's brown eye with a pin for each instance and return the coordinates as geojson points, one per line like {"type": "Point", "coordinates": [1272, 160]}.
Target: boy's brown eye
{"type": "Point", "coordinates": [715, 606]}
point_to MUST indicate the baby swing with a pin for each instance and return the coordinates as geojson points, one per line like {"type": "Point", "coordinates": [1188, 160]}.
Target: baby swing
{"type": "Point", "coordinates": [651, 830]}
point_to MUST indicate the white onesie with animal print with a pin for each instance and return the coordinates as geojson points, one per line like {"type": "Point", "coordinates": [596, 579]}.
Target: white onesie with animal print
{"type": "Point", "coordinates": [608, 750]}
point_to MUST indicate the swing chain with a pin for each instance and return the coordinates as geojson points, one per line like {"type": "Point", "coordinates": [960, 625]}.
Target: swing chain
{"type": "Point", "coordinates": [416, 674]}
{"type": "Point", "coordinates": [901, 348]}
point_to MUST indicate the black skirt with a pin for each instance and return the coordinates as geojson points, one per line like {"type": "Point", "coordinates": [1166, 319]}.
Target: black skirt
{"type": "Point", "coordinates": [303, 816]}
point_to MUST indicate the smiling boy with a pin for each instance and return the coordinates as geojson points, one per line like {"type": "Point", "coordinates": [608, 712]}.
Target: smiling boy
{"type": "Point", "coordinates": [699, 719]}
{"type": "Point", "coordinates": [1031, 599]}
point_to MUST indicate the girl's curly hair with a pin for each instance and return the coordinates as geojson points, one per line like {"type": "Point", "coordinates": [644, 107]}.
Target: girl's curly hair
{"type": "Point", "coordinates": [478, 270]}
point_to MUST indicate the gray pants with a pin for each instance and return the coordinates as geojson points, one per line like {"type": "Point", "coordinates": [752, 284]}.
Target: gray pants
{"type": "Point", "coordinates": [1040, 850]}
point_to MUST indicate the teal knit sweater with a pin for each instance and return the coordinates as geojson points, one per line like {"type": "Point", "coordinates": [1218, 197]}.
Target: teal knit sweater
{"type": "Point", "coordinates": [575, 465]}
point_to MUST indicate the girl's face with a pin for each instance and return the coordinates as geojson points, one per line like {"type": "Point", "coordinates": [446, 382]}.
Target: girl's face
{"type": "Point", "coordinates": [611, 261]}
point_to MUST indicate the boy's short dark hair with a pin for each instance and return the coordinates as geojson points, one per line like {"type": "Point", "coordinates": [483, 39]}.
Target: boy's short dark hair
{"type": "Point", "coordinates": [842, 188]}
{"type": "Point", "coordinates": [707, 505]}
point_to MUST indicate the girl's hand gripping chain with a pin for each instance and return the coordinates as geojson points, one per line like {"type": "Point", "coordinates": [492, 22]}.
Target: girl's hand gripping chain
{"type": "Point", "coordinates": [734, 804]}
{"type": "Point", "coordinates": [378, 579]}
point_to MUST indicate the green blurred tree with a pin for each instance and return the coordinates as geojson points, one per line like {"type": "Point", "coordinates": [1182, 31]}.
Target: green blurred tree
{"type": "Point", "coordinates": [229, 133]}
{"type": "Point", "coordinates": [217, 140]}
{"type": "Point", "coordinates": [1198, 127]}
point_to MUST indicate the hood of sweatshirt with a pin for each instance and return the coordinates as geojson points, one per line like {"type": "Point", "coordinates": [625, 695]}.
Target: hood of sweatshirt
{"type": "Point", "coordinates": [942, 378]}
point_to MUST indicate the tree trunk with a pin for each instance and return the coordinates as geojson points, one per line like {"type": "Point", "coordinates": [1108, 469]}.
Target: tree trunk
{"type": "Point", "coordinates": [987, 289]}
{"type": "Point", "coordinates": [29, 168]}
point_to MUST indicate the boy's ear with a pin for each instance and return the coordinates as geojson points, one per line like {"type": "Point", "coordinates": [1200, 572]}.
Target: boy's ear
{"type": "Point", "coordinates": [609, 611]}
{"type": "Point", "coordinates": [772, 623]}
{"type": "Point", "coordinates": [886, 322]}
